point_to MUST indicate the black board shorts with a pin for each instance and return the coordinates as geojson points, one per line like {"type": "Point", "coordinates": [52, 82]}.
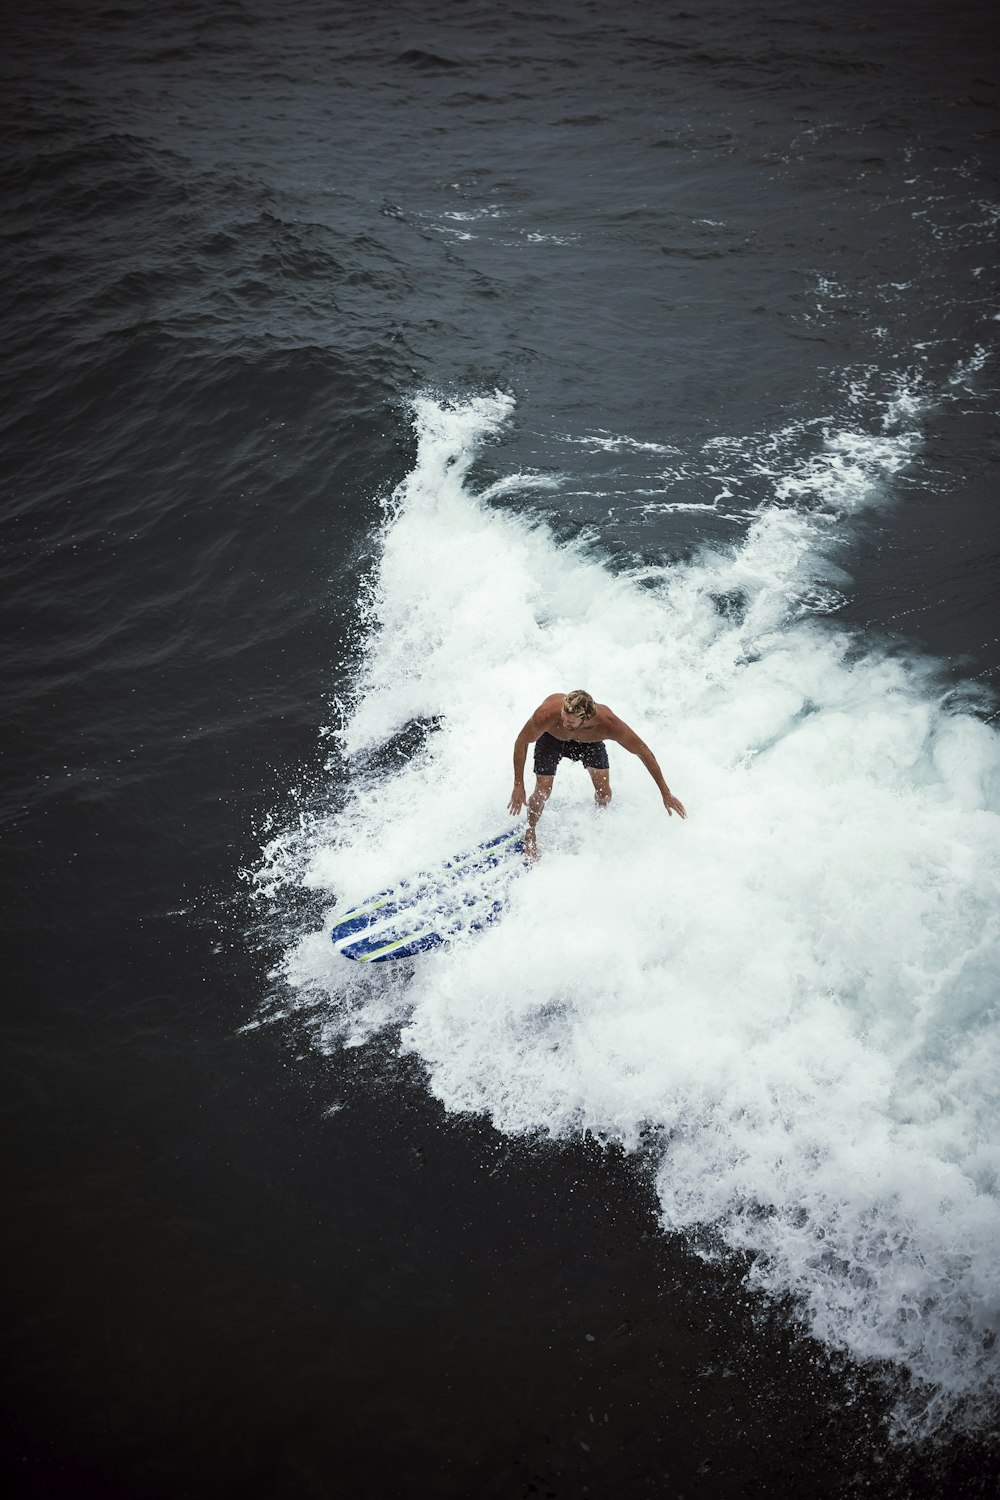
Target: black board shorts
{"type": "Point", "coordinates": [549, 752]}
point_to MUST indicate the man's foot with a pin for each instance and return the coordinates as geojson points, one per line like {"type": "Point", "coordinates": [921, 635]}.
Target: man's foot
{"type": "Point", "coordinates": [530, 845]}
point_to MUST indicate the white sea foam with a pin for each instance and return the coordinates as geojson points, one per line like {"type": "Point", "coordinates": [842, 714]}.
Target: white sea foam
{"type": "Point", "coordinates": [609, 442]}
{"type": "Point", "coordinates": [795, 989]}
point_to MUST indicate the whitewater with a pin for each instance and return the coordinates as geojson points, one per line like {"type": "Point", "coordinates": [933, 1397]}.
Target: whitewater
{"type": "Point", "coordinates": [787, 1002]}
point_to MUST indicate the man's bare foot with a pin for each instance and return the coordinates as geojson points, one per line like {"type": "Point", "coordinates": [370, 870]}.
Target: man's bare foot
{"type": "Point", "coordinates": [530, 845]}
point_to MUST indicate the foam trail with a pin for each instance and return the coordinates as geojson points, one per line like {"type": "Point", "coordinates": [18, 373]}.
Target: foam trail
{"type": "Point", "coordinates": [796, 988]}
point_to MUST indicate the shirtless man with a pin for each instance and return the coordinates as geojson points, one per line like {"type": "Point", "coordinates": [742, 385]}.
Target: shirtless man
{"type": "Point", "coordinates": [574, 727]}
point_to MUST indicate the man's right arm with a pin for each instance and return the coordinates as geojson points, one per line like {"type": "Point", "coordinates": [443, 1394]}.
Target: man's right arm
{"type": "Point", "coordinates": [524, 739]}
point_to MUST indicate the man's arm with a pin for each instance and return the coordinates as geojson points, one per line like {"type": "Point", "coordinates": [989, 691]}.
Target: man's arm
{"type": "Point", "coordinates": [629, 740]}
{"type": "Point", "coordinates": [533, 730]}
{"type": "Point", "coordinates": [524, 739]}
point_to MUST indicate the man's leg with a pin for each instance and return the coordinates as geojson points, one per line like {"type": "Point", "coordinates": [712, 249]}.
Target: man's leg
{"type": "Point", "coordinates": [536, 805]}
{"type": "Point", "coordinates": [602, 786]}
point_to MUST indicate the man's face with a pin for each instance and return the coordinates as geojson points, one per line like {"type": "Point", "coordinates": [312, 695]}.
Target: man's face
{"type": "Point", "coordinates": [571, 721]}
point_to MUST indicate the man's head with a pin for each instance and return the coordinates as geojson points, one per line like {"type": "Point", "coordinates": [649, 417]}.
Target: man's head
{"type": "Point", "coordinates": [577, 708]}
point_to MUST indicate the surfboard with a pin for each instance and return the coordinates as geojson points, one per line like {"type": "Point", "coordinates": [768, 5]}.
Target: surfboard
{"type": "Point", "coordinates": [464, 894]}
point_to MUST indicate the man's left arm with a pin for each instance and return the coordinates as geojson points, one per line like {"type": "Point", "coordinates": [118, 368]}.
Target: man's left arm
{"type": "Point", "coordinates": [629, 740]}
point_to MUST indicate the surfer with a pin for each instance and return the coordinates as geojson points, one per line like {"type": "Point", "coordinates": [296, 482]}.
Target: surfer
{"type": "Point", "coordinates": [572, 726]}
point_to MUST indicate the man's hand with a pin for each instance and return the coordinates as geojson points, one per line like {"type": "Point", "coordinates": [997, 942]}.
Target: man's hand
{"type": "Point", "coordinates": [672, 805]}
{"type": "Point", "coordinates": [517, 798]}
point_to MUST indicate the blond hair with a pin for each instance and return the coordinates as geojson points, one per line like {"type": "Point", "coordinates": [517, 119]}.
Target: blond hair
{"type": "Point", "coordinates": [579, 702]}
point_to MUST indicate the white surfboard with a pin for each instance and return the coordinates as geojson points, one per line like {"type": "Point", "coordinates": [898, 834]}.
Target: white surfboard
{"type": "Point", "coordinates": [464, 894]}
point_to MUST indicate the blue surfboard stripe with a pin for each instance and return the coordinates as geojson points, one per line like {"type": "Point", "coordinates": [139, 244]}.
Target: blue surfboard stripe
{"type": "Point", "coordinates": [398, 939]}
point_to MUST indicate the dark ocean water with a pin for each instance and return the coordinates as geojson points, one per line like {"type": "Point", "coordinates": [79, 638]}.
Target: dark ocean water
{"type": "Point", "coordinates": [369, 373]}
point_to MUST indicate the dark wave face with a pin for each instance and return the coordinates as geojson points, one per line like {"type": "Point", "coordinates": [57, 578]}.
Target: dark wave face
{"type": "Point", "coordinates": [369, 374]}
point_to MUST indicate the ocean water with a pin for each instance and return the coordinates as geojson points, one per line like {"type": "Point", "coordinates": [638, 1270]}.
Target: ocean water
{"type": "Point", "coordinates": [371, 374]}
